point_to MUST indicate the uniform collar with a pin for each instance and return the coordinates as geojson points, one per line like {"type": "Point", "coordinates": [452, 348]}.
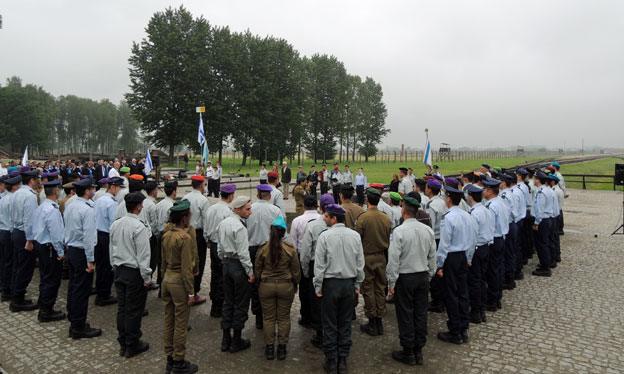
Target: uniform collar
{"type": "Point", "coordinates": [338, 225]}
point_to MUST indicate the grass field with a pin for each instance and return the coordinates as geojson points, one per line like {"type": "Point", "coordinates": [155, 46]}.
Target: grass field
{"type": "Point", "coordinates": [604, 166]}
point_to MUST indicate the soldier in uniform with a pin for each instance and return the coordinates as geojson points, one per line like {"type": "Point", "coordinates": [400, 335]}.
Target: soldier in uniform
{"type": "Point", "coordinates": [130, 257]}
{"type": "Point", "coordinates": [70, 196]}
{"type": "Point", "coordinates": [199, 206]}
{"type": "Point", "coordinates": [299, 192]}
{"type": "Point", "coordinates": [48, 236]}
{"type": "Point", "coordinates": [405, 186]}
{"type": "Point", "coordinates": [338, 274]}
{"type": "Point", "coordinates": [458, 237]}
{"type": "Point", "coordinates": [374, 228]}
{"type": "Point", "coordinates": [395, 206]}
{"type": "Point", "coordinates": [259, 228]}
{"type": "Point", "coordinates": [103, 182]}
{"type": "Point", "coordinates": [352, 211]}
{"type": "Point", "coordinates": [178, 290]}
{"type": "Point", "coordinates": [214, 215]}
{"type": "Point", "coordinates": [23, 206]}
{"type": "Point", "coordinates": [436, 207]}
{"type": "Point", "coordinates": [149, 215]}
{"type": "Point", "coordinates": [238, 274]}
{"type": "Point", "coordinates": [277, 198]}
{"type": "Point", "coordinates": [542, 225]}
{"type": "Point", "coordinates": [80, 239]}
{"type": "Point", "coordinates": [411, 262]}
{"type": "Point", "coordinates": [525, 229]}
{"type": "Point", "coordinates": [105, 211]}
{"type": "Point", "coordinates": [12, 183]}
{"type": "Point", "coordinates": [554, 182]}
{"type": "Point", "coordinates": [511, 240]}
{"type": "Point", "coordinates": [162, 212]}
{"type": "Point", "coordinates": [278, 271]}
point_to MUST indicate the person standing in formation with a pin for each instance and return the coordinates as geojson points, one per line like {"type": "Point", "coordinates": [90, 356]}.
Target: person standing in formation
{"type": "Point", "coordinates": [178, 290]}
{"type": "Point", "coordinates": [395, 208]}
{"type": "Point", "coordinates": [496, 268]}
{"type": "Point", "coordinates": [436, 207]}
{"type": "Point", "coordinates": [405, 185]}
{"type": "Point", "coordinates": [286, 178]}
{"type": "Point", "coordinates": [199, 206]}
{"type": "Point", "coordinates": [278, 271]}
{"type": "Point", "coordinates": [277, 198]}
{"type": "Point", "coordinates": [352, 211]}
{"type": "Point", "coordinates": [347, 177]}
{"type": "Point", "coordinates": [12, 184]}
{"type": "Point", "coordinates": [162, 210]}
{"type": "Point", "coordinates": [214, 215]}
{"type": "Point", "coordinates": [543, 224]}
{"type": "Point", "coordinates": [130, 257]}
{"type": "Point", "coordinates": [238, 274]}
{"type": "Point", "coordinates": [338, 274]}
{"type": "Point", "coordinates": [411, 262]}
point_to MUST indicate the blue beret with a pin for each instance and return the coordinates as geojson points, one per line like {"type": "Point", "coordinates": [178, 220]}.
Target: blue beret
{"type": "Point", "coordinates": [228, 188]}
{"type": "Point", "coordinates": [52, 174]}
{"type": "Point", "coordinates": [471, 188]}
{"type": "Point", "coordinates": [24, 169]}
{"type": "Point", "coordinates": [14, 173]}
{"type": "Point", "coordinates": [13, 180]}
{"type": "Point", "coordinates": [491, 182]}
{"type": "Point", "coordinates": [335, 209]}
{"type": "Point", "coordinates": [433, 183]}
{"type": "Point", "coordinates": [522, 171]}
{"type": "Point", "coordinates": [30, 173]}
{"type": "Point", "coordinates": [104, 181]}
{"type": "Point", "coordinates": [264, 188]}
{"type": "Point", "coordinates": [451, 189]}
{"type": "Point", "coordinates": [280, 222]}
{"type": "Point", "coordinates": [555, 164]}
{"type": "Point", "coordinates": [4, 177]}
{"type": "Point", "coordinates": [541, 175]}
{"type": "Point", "coordinates": [553, 177]}
{"type": "Point", "coordinates": [114, 181]}
{"type": "Point", "coordinates": [509, 178]}
{"type": "Point", "coordinates": [84, 183]}
{"type": "Point", "coordinates": [54, 183]}
{"type": "Point", "coordinates": [44, 174]}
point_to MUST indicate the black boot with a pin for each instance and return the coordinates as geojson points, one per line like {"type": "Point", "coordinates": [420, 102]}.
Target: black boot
{"type": "Point", "coordinates": [342, 365]}
{"type": "Point", "coordinates": [465, 337]}
{"type": "Point", "coordinates": [259, 323]}
{"type": "Point", "coordinates": [330, 366]}
{"type": "Point", "coordinates": [215, 312]}
{"type": "Point", "coordinates": [169, 366]}
{"type": "Point", "coordinates": [238, 343]}
{"type": "Point", "coordinates": [19, 304]}
{"type": "Point", "coordinates": [48, 314]}
{"type": "Point", "coordinates": [226, 341]}
{"type": "Point", "coordinates": [437, 308]}
{"type": "Point", "coordinates": [380, 327]}
{"type": "Point", "coordinates": [541, 272]}
{"type": "Point", "coordinates": [269, 352]}
{"type": "Point", "coordinates": [317, 340]}
{"type": "Point", "coordinates": [370, 328]}
{"type": "Point", "coordinates": [86, 332]}
{"type": "Point", "coordinates": [184, 367]}
{"type": "Point", "coordinates": [483, 317]}
{"type": "Point", "coordinates": [418, 356]}
{"type": "Point", "coordinates": [450, 337]}
{"type": "Point", "coordinates": [281, 352]}
{"type": "Point", "coordinates": [104, 301]}
{"type": "Point", "coordinates": [137, 349]}
{"type": "Point", "coordinates": [405, 356]}
{"type": "Point", "coordinates": [475, 317]}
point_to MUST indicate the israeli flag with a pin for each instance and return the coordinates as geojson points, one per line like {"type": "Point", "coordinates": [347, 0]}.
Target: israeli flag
{"type": "Point", "coordinates": [25, 157]}
{"type": "Point", "coordinates": [201, 135]}
{"type": "Point", "coordinates": [148, 163]}
{"type": "Point", "coordinates": [427, 158]}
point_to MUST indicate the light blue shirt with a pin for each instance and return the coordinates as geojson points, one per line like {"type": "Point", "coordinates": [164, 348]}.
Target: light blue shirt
{"type": "Point", "coordinates": [555, 204]}
{"type": "Point", "coordinates": [80, 230]}
{"type": "Point", "coordinates": [501, 216]}
{"type": "Point", "coordinates": [23, 206]}
{"type": "Point", "coordinates": [458, 233]}
{"type": "Point", "coordinates": [506, 196]}
{"type": "Point", "coordinates": [6, 221]}
{"type": "Point", "coordinates": [543, 204]}
{"type": "Point", "coordinates": [526, 193]}
{"type": "Point", "coordinates": [105, 209]}
{"type": "Point", "coordinates": [519, 204]}
{"type": "Point", "coordinates": [360, 180]}
{"type": "Point", "coordinates": [484, 218]}
{"type": "Point", "coordinates": [48, 226]}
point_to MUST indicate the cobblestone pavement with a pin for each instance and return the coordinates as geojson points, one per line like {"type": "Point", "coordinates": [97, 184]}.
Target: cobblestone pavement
{"type": "Point", "coordinates": [570, 323]}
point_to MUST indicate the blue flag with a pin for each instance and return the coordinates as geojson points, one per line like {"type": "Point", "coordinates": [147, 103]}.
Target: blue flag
{"type": "Point", "coordinates": [427, 159]}
{"type": "Point", "coordinates": [148, 163]}
{"type": "Point", "coordinates": [201, 135]}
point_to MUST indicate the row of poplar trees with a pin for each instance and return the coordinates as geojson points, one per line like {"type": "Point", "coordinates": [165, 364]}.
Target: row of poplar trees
{"type": "Point", "coordinates": [261, 96]}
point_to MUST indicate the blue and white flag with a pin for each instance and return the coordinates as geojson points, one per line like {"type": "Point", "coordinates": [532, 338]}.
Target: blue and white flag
{"type": "Point", "coordinates": [427, 157]}
{"type": "Point", "coordinates": [25, 157]}
{"type": "Point", "coordinates": [148, 163]}
{"type": "Point", "coordinates": [205, 153]}
{"type": "Point", "coordinates": [201, 135]}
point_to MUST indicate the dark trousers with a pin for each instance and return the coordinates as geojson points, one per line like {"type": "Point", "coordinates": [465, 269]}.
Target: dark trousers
{"type": "Point", "coordinates": [6, 263]}
{"type": "Point", "coordinates": [79, 288]}
{"type": "Point", "coordinates": [456, 292]}
{"type": "Point", "coordinates": [313, 187]}
{"type": "Point", "coordinates": [495, 271]}
{"type": "Point", "coordinates": [436, 287]}
{"type": "Point", "coordinates": [542, 239]}
{"type": "Point", "coordinates": [50, 271]}
{"type": "Point", "coordinates": [337, 311]}
{"type": "Point", "coordinates": [131, 296]}
{"type": "Point", "coordinates": [555, 247]}
{"type": "Point", "coordinates": [336, 192]}
{"type": "Point", "coordinates": [256, 307]}
{"type": "Point", "coordinates": [104, 271]}
{"type": "Point", "coordinates": [236, 292]}
{"type": "Point", "coordinates": [201, 253]}
{"type": "Point", "coordinates": [561, 223]}
{"type": "Point", "coordinates": [213, 187]}
{"type": "Point", "coordinates": [155, 255]}
{"type": "Point", "coordinates": [324, 188]}
{"type": "Point", "coordinates": [528, 232]}
{"type": "Point", "coordinates": [306, 291]}
{"type": "Point", "coordinates": [477, 280]}
{"type": "Point", "coordinates": [411, 304]}
{"type": "Point", "coordinates": [23, 264]}
{"type": "Point", "coordinates": [519, 247]}
{"type": "Point", "coordinates": [316, 312]}
{"type": "Point", "coordinates": [359, 191]}
{"type": "Point", "coordinates": [511, 241]}
{"type": "Point", "coordinates": [216, 279]}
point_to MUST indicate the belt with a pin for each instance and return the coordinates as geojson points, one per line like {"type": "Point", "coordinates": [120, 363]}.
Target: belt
{"type": "Point", "coordinates": [276, 280]}
{"type": "Point", "coordinates": [230, 259]}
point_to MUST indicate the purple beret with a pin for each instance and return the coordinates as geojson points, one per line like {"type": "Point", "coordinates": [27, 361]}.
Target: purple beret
{"type": "Point", "coordinates": [327, 199]}
{"type": "Point", "coordinates": [433, 183]}
{"type": "Point", "coordinates": [436, 176]}
{"type": "Point", "coordinates": [52, 174]}
{"type": "Point", "coordinates": [45, 174]}
{"type": "Point", "coordinates": [335, 209]}
{"type": "Point", "coordinates": [452, 182]}
{"type": "Point", "coordinates": [264, 188]}
{"type": "Point", "coordinates": [24, 169]}
{"type": "Point", "coordinates": [14, 173]}
{"type": "Point", "coordinates": [228, 188]}
{"type": "Point", "coordinates": [103, 181]}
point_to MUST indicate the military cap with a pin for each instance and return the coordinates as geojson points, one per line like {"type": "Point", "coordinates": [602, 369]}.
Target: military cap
{"type": "Point", "coordinates": [327, 199]}
{"type": "Point", "coordinates": [264, 188]}
{"type": "Point", "coordinates": [151, 186]}
{"type": "Point", "coordinates": [53, 183]}
{"type": "Point", "coordinates": [134, 198]}
{"type": "Point", "coordinates": [452, 190]}
{"type": "Point", "coordinates": [438, 177]}
{"type": "Point", "coordinates": [487, 166]}
{"type": "Point", "coordinates": [411, 201]}
{"type": "Point", "coordinates": [491, 182]}
{"type": "Point", "coordinates": [280, 222]}
{"type": "Point", "coordinates": [335, 209]}
{"type": "Point", "coordinates": [181, 206]}
{"type": "Point", "coordinates": [84, 183]}
{"type": "Point", "coordinates": [509, 178]}
{"type": "Point", "coordinates": [522, 171]}
{"type": "Point", "coordinates": [473, 189]}
{"type": "Point", "coordinates": [433, 183]}
{"type": "Point", "coordinates": [541, 175]}
{"type": "Point", "coordinates": [136, 177]}
{"type": "Point", "coordinates": [12, 181]}
{"type": "Point", "coordinates": [240, 202]}
{"type": "Point", "coordinates": [105, 180]}
{"type": "Point", "coordinates": [373, 191]}
{"type": "Point", "coordinates": [116, 181]}
{"type": "Point", "coordinates": [395, 196]}
{"type": "Point", "coordinates": [198, 178]}
{"type": "Point", "coordinates": [171, 184]}
{"type": "Point", "coordinates": [555, 164]}
{"type": "Point", "coordinates": [553, 177]}
{"type": "Point", "coordinates": [228, 188]}
{"type": "Point", "coordinates": [273, 174]}
{"type": "Point", "coordinates": [379, 186]}
{"type": "Point", "coordinates": [403, 169]}
{"type": "Point", "coordinates": [53, 174]}
{"type": "Point", "coordinates": [347, 188]}
{"type": "Point", "coordinates": [124, 169]}
{"type": "Point", "coordinates": [30, 174]}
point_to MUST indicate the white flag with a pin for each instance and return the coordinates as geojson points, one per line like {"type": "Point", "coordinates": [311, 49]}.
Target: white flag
{"type": "Point", "coordinates": [427, 159]}
{"type": "Point", "coordinates": [148, 163]}
{"type": "Point", "coordinates": [25, 157]}
{"type": "Point", "coordinates": [201, 136]}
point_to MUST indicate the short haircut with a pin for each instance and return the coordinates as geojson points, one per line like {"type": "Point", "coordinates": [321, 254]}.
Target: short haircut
{"type": "Point", "coordinates": [170, 189]}
{"type": "Point", "coordinates": [455, 197]}
{"type": "Point", "coordinates": [225, 195]}
{"type": "Point", "coordinates": [49, 190]}
{"type": "Point", "coordinates": [373, 199]}
{"type": "Point", "coordinates": [130, 206]}
{"type": "Point", "coordinates": [262, 195]}
{"type": "Point", "coordinates": [495, 189]}
{"type": "Point", "coordinates": [435, 190]}
{"type": "Point", "coordinates": [309, 202]}
{"type": "Point", "coordinates": [421, 184]}
{"type": "Point", "coordinates": [80, 191]}
{"type": "Point", "coordinates": [478, 197]}
{"type": "Point", "coordinates": [339, 217]}
{"type": "Point", "coordinates": [26, 179]}
{"type": "Point", "coordinates": [196, 184]}
{"type": "Point", "coordinates": [411, 210]}
{"type": "Point", "coordinates": [347, 193]}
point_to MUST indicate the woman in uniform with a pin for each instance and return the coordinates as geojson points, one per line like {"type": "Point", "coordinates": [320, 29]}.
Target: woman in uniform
{"type": "Point", "coordinates": [277, 268]}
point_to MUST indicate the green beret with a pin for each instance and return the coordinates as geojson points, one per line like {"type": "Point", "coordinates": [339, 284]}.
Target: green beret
{"type": "Point", "coordinates": [395, 196]}
{"type": "Point", "coordinates": [124, 169]}
{"type": "Point", "coordinates": [373, 191]}
{"type": "Point", "coordinates": [180, 206]}
{"type": "Point", "coordinates": [411, 201]}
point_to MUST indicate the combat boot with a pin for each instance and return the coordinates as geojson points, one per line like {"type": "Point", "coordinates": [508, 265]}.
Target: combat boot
{"type": "Point", "coordinates": [475, 317]}
{"type": "Point", "coordinates": [19, 304]}
{"type": "Point", "coordinates": [342, 365]}
{"type": "Point", "coordinates": [269, 352]}
{"type": "Point", "coordinates": [169, 366]}
{"type": "Point", "coordinates": [330, 366]}
{"type": "Point", "coordinates": [86, 332]}
{"type": "Point", "coordinates": [370, 328]}
{"type": "Point", "coordinates": [183, 367]}
{"type": "Point", "coordinates": [5, 297]}
{"type": "Point", "coordinates": [418, 356]}
{"type": "Point", "coordinates": [238, 343]}
{"type": "Point", "coordinates": [450, 337]}
{"type": "Point", "coordinates": [380, 327]}
{"type": "Point", "coordinates": [405, 356]}
{"type": "Point", "coordinates": [137, 349]}
{"type": "Point", "coordinates": [281, 352]}
{"type": "Point", "coordinates": [48, 314]}
{"type": "Point", "coordinates": [226, 342]}
{"type": "Point", "coordinates": [104, 301]}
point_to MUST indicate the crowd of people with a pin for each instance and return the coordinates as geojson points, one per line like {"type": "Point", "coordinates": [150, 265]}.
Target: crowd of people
{"type": "Point", "coordinates": [431, 244]}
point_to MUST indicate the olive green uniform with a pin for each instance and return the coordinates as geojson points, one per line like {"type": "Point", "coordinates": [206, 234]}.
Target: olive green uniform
{"type": "Point", "coordinates": [179, 260]}
{"type": "Point", "coordinates": [352, 212]}
{"type": "Point", "coordinates": [278, 285]}
{"type": "Point", "coordinates": [300, 193]}
{"type": "Point", "coordinates": [374, 227]}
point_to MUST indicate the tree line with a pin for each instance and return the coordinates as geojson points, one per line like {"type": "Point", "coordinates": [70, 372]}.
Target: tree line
{"type": "Point", "coordinates": [261, 96]}
{"type": "Point", "coordinates": [29, 115]}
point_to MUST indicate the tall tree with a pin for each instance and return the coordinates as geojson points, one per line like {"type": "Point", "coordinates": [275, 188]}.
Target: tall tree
{"type": "Point", "coordinates": [372, 127]}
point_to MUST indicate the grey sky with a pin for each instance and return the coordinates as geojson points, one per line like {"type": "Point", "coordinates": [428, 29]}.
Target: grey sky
{"type": "Point", "coordinates": [476, 73]}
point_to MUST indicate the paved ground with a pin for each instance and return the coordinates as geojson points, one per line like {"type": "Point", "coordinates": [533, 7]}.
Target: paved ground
{"type": "Point", "coordinates": [572, 322]}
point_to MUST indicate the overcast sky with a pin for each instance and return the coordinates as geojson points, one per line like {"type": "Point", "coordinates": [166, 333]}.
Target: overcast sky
{"type": "Point", "coordinates": [476, 73]}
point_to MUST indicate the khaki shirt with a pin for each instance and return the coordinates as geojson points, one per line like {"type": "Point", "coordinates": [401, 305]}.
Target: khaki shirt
{"type": "Point", "coordinates": [287, 267]}
{"type": "Point", "coordinates": [374, 227]}
{"type": "Point", "coordinates": [300, 194]}
{"type": "Point", "coordinates": [352, 212]}
{"type": "Point", "coordinates": [179, 250]}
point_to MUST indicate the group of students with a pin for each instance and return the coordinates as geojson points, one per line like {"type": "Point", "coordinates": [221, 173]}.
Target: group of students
{"type": "Point", "coordinates": [463, 240]}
